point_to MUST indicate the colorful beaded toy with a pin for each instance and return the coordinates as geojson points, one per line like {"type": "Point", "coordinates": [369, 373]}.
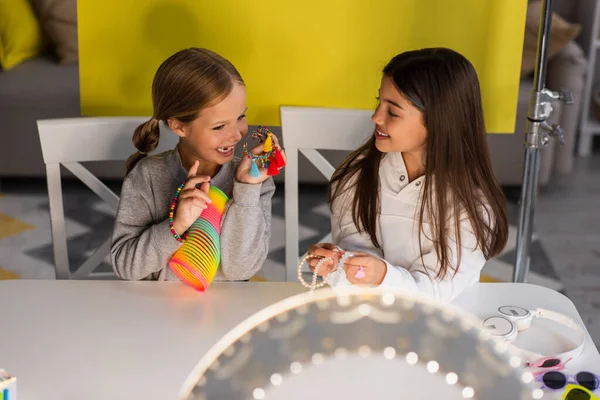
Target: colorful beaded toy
{"type": "Point", "coordinates": [197, 260]}
{"type": "Point", "coordinates": [271, 157]}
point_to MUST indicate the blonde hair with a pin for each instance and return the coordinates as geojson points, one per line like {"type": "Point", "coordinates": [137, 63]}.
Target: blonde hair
{"type": "Point", "coordinates": [183, 85]}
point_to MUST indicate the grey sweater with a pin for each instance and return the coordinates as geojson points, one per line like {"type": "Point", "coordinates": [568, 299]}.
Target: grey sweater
{"type": "Point", "coordinates": [142, 243]}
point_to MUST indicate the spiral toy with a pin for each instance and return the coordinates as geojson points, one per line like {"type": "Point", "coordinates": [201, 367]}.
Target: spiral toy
{"type": "Point", "coordinates": [197, 260]}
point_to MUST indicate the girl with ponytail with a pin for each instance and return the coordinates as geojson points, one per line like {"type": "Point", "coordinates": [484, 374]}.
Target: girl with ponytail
{"type": "Point", "coordinates": [145, 139]}
{"type": "Point", "coordinates": [200, 97]}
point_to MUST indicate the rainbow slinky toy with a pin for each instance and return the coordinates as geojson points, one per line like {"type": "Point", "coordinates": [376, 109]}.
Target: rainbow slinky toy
{"type": "Point", "coordinates": [197, 260]}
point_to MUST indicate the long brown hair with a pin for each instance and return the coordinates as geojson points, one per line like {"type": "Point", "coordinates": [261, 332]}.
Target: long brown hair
{"type": "Point", "coordinates": [183, 85]}
{"type": "Point", "coordinates": [458, 179]}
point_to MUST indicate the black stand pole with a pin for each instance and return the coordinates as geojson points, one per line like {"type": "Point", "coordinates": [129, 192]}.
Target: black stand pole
{"type": "Point", "coordinates": [537, 135]}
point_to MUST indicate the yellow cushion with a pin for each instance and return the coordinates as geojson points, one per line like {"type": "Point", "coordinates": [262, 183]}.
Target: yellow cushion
{"type": "Point", "coordinates": [20, 33]}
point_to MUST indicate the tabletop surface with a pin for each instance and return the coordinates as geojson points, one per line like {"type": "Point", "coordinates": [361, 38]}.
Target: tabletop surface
{"type": "Point", "coordinates": [140, 340]}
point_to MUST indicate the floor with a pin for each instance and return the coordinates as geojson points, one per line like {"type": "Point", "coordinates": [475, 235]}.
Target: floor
{"type": "Point", "coordinates": [565, 252]}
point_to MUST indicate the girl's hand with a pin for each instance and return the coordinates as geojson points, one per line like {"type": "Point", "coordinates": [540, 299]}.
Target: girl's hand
{"type": "Point", "coordinates": [324, 250]}
{"type": "Point", "coordinates": [243, 170]}
{"type": "Point", "coordinates": [374, 269]}
{"type": "Point", "coordinates": [192, 200]}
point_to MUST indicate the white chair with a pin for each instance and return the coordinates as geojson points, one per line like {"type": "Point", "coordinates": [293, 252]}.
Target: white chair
{"type": "Point", "coordinates": [306, 130]}
{"type": "Point", "coordinates": [70, 141]}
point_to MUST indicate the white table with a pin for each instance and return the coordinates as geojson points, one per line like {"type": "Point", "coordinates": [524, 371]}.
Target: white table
{"type": "Point", "coordinates": [73, 340]}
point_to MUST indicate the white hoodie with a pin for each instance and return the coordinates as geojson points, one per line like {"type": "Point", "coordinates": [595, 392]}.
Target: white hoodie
{"type": "Point", "coordinates": [398, 229]}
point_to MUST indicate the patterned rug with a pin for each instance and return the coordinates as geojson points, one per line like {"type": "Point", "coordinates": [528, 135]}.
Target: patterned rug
{"type": "Point", "coordinates": [26, 242]}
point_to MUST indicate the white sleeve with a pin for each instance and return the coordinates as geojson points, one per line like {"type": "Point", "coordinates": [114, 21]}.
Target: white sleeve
{"type": "Point", "coordinates": [345, 235]}
{"type": "Point", "coordinates": [421, 275]}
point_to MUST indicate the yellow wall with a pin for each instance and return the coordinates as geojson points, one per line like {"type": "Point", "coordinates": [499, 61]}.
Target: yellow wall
{"type": "Point", "coordinates": [295, 52]}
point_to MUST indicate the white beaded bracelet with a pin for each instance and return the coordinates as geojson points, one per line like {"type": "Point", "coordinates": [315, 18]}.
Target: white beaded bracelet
{"type": "Point", "coordinates": [334, 277]}
{"type": "Point", "coordinates": [314, 285]}
{"type": "Point", "coordinates": [342, 261]}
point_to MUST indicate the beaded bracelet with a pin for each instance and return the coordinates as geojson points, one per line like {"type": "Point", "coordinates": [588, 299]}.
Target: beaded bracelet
{"type": "Point", "coordinates": [314, 285]}
{"type": "Point", "coordinates": [343, 259]}
{"type": "Point", "coordinates": [339, 271]}
{"type": "Point", "coordinates": [334, 276]}
{"type": "Point", "coordinates": [271, 157]}
{"type": "Point", "coordinates": [360, 272]}
{"type": "Point", "coordinates": [172, 212]}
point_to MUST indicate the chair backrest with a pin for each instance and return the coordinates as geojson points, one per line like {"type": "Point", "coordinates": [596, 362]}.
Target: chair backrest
{"type": "Point", "coordinates": [307, 130]}
{"type": "Point", "coordinates": [92, 139]}
{"type": "Point", "coordinates": [70, 141]}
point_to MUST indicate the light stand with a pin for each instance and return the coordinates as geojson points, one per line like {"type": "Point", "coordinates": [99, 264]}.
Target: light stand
{"type": "Point", "coordinates": [537, 136]}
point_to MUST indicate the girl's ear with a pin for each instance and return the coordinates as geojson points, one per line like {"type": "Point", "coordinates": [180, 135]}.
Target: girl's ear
{"type": "Point", "coordinates": [177, 127]}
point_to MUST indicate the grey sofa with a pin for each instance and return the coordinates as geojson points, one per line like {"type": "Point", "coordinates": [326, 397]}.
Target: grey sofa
{"type": "Point", "coordinates": [36, 89]}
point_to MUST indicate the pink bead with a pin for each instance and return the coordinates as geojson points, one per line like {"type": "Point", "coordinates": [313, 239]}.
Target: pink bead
{"type": "Point", "coordinates": [360, 273]}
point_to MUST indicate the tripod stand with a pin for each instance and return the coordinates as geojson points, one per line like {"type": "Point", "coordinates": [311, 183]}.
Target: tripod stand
{"type": "Point", "coordinates": [537, 136]}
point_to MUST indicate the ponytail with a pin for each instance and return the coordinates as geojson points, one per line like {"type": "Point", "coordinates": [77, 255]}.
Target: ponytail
{"type": "Point", "coordinates": [145, 139]}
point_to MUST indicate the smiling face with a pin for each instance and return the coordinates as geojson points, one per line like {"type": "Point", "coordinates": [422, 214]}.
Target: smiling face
{"type": "Point", "coordinates": [398, 123]}
{"type": "Point", "coordinates": [212, 136]}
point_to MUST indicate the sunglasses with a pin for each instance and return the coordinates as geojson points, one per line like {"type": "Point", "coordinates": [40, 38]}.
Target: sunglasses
{"type": "Point", "coordinates": [547, 363]}
{"type": "Point", "coordinates": [555, 380]}
{"type": "Point", "coordinates": [575, 392]}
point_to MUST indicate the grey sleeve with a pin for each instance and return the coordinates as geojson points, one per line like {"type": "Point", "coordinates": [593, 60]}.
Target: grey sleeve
{"type": "Point", "coordinates": [140, 246]}
{"type": "Point", "coordinates": [246, 230]}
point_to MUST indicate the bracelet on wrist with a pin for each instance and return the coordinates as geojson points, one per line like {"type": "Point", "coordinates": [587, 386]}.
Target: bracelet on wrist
{"type": "Point", "coordinates": [183, 237]}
